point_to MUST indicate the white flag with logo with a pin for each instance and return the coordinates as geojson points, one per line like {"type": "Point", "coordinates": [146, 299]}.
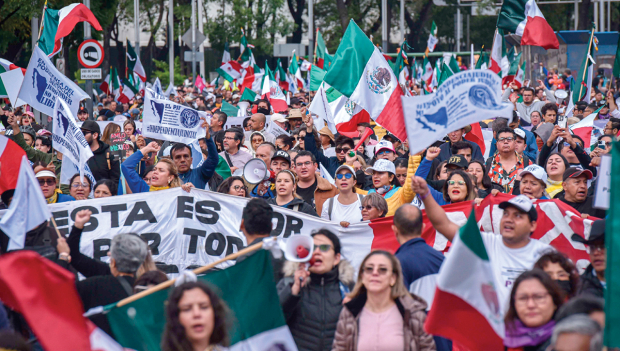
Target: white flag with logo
{"type": "Point", "coordinates": [68, 138]}
{"type": "Point", "coordinates": [43, 83]}
{"type": "Point", "coordinates": [27, 210]}
{"type": "Point", "coordinates": [163, 119]}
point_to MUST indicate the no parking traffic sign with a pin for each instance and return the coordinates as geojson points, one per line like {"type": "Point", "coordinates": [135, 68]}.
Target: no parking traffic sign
{"type": "Point", "coordinates": [90, 53]}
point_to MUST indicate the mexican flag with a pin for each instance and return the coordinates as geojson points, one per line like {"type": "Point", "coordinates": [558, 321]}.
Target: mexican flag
{"type": "Point", "coordinates": [583, 80]}
{"type": "Point", "coordinates": [316, 77]}
{"type": "Point", "coordinates": [466, 308]}
{"type": "Point", "coordinates": [427, 76]}
{"type": "Point", "coordinates": [512, 70]}
{"type": "Point", "coordinates": [258, 322]}
{"type": "Point", "coordinates": [10, 160]}
{"type": "Point", "coordinates": [507, 60]}
{"type": "Point", "coordinates": [340, 113]}
{"type": "Point", "coordinates": [497, 52]}
{"type": "Point", "coordinates": [248, 95]}
{"type": "Point", "coordinates": [296, 72]}
{"type": "Point", "coordinates": [400, 66]}
{"type": "Point", "coordinates": [111, 85]}
{"type": "Point", "coordinates": [6, 66]}
{"type": "Point", "coordinates": [57, 24]}
{"type": "Point", "coordinates": [448, 69]}
{"type": "Point", "coordinates": [280, 75]}
{"type": "Point", "coordinates": [523, 18]}
{"type": "Point", "coordinates": [244, 46]}
{"type": "Point", "coordinates": [226, 54]}
{"type": "Point", "coordinates": [230, 70]}
{"type": "Point", "coordinates": [520, 76]}
{"type": "Point", "coordinates": [483, 60]}
{"type": "Point", "coordinates": [612, 244]}
{"type": "Point", "coordinates": [133, 63]}
{"type": "Point", "coordinates": [361, 73]}
{"type": "Point", "coordinates": [432, 39]}
{"type": "Point", "coordinates": [320, 53]}
{"type": "Point", "coordinates": [128, 92]}
{"type": "Point", "coordinates": [271, 91]}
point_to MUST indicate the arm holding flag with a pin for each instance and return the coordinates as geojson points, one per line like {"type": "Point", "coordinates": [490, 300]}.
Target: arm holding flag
{"type": "Point", "coordinates": [330, 163]}
{"type": "Point", "coordinates": [435, 213]}
{"type": "Point", "coordinates": [208, 167]}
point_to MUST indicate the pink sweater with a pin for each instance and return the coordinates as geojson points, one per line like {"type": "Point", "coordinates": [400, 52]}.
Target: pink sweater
{"type": "Point", "coordinates": [381, 331]}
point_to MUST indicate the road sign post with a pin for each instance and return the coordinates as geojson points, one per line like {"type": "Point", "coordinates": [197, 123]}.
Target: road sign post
{"type": "Point", "coordinates": [90, 55]}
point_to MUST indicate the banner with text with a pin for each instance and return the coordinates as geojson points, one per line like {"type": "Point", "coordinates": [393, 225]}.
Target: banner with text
{"type": "Point", "coordinates": [68, 138]}
{"type": "Point", "coordinates": [163, 119]}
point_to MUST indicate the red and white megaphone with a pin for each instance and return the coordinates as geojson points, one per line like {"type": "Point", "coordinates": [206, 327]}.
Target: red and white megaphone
{"type": "Point", "coordinates": [256, 171]}
{"type": "Point", "coordinates": [298, 248]}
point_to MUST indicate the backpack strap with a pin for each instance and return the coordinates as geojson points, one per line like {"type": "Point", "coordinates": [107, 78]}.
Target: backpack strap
{"type": "Point", "coordinates": [107, 156]}
{"type": "Point", "coordinates": [331, 207]}
{"type": "Point", "coordinates": [296, 208]}
{"type": "Point", "coordinates": [128, 289]}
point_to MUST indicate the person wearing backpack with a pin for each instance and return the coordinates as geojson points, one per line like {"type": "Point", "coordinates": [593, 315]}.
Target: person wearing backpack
{"type": "Point", "coordinates": [346, 206]}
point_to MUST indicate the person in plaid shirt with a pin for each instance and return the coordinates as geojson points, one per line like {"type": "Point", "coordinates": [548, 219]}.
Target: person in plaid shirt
{"type": "Point", "coordinates": [504, 166]}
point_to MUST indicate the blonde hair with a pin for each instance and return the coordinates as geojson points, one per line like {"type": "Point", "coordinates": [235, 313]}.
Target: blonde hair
{"type": "Point", "coordinates": [147, 265]}
{"type": "Point", "coordinates": [398, 289]}
{"type": "Point", "coordinates": [172, 168]}
{"type": "Point", "coordinates": [293, 176]}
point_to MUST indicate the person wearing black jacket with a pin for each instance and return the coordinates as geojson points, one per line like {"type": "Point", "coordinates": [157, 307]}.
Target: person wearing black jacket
{"type": "Point", "coordinates": [312, 299]}
{"type": "Point", "coordinates": [127, 253]}
{"type": "Point", "coordinates": [575, 193]}
{"type": "Point", "coordinates": [593, 279]}
{"type": "Point", "coordinates": [103, 164]}
{"type": "Point", "coordinates": [343, 146]}
{"type": "Point", "coordinates": [570, 147]}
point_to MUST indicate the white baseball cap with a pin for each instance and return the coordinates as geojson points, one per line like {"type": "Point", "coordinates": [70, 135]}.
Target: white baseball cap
{"type": "Point", "coordinates": [521, 133]}
{"type": "Point", "coordinates": [522, 203]}
{"type": "Point", "coordinates": [383, 166]}
{"type": "Point", "coordinates": [348, 168]}
{"type": "Point", "coordinates": [384, 144]}
{"type": "Point", "coordinates": [536, 171]}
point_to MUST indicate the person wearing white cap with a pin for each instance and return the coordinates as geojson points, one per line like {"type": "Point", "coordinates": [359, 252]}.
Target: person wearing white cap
{"type": "Point", "coordinates": [532, 183]}
{"type": "Point", "coordinates": [510, 253]}
{"type": "Point", "coordinates": [384, 150]}
{"type": "Point", "coordinates": [47, 181]}
{"type": "Point", "coordinates": [386, 184]}
{"type": "Point", "coordinates": [346, 206]}
{"type": "Point", "coordinates": [279, 120]}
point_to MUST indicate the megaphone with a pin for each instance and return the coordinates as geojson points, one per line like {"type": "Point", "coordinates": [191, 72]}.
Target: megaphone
{"type": "Point", "coordinates": [298, 248]}
{"type": "Point", "coordinates": [256, 171]}
{"type": "Point", "coordinates": [560, 94]}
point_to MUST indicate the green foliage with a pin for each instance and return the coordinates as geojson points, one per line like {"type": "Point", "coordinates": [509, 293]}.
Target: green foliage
{"type": "Point", "coordinates": [162, 72]}
{"type": "Point", "coordinates": [15, 21]}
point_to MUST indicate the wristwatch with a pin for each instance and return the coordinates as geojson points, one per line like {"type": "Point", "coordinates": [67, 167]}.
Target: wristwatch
{"type": "Point", "coordinates": [65, 257]}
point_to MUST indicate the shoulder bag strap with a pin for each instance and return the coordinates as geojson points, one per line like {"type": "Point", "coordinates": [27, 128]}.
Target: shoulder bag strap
{"type": "Point", "coordinates": [331, 207]}
{"type": "Point", "coordinates": [230, 164]}
{"type": "Point", "coordinates": [128, 289]}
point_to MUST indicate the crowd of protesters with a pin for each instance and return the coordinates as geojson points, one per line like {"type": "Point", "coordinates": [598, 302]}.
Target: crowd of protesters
{"type": "Point", "coordinates": [330, 305]}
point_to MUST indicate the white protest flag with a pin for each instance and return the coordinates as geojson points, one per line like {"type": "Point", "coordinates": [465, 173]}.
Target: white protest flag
{"type": "Point", "coordinates": [325, 174]}
{"type": "Point", "coordinates": [170, 91]}
{"type": "Point", "coordinates": [465, 98]}
{"type": "Point", "coordinates": [14, 79]}
{"type": "Point", "coordinates": [43, 83]}
{"type": "Point", "coordinates": [321, 110]}
{"type": "Point", "coordinates": [163, 119]}
{"type": "Point", "coordinates": [28, 208]}
{"type": "Point", "coordinates": [157, 87]}
{"type": "Point", "coordinates": [68, 137]}
{"type": "Point", "coordinates": [69, 169]}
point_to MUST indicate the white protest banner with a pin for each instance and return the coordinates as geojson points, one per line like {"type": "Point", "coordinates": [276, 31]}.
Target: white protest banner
{"type": "Point", "coordinates": [163, 119]}
{"type": "Point", "coordinates": [234, 122]}
{"type": "Point", "coordinates": [603, 183]}
{"type": "Point", "coordinates": [68, 138]}
{"type": "Point", "coordinates": [275, 129]}
{"type": "Point", "coordinates": [465, 98]}
{"type": "Point", "coordinates": [43, 83]}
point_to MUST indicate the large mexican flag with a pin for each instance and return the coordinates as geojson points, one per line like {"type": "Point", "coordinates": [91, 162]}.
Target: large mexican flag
{"type": "Point", "coordinates": [247, 288]}
{"type": "Point", "coordinates": [361, 73]}
{"type": "Point", "coordinates": [466, 308]}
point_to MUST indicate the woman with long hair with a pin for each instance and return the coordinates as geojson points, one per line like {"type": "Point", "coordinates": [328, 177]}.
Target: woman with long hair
{"type": "Point", "coordinates": [286, 196]}
{"type": "Point", "coordinates": [110, 129]}
{"type": "Point", "coordinates": [381, 313]}
{"type": "Point", "coordinates": [482, 180]}
{"type": "Point", "coordinates": [105, 188]}
{"type": "Point", "coordinates": [458, 187]}
{"type": "Point", "coordinates": [555, 166]}
{"type": "Point", "coordinates": [165, 174]}
{"type": "Point", "coordinates": [196, 319]}
{"type": "Point", "coordinates": [79, 189]}
{"type": "Point", "coordinates": [534, 299]}
{"type": "Point", "coordinates": [129, 128]}
{"type": "Point", "coordinates": [233, 186]}
{"type": "Point", "coordinates": [562, 270]}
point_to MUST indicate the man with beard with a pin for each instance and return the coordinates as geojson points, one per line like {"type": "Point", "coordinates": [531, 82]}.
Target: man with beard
{"type": "Point", "coordinates": [103, 165]}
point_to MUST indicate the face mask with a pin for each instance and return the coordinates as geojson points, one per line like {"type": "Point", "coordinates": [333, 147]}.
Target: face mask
{"type": "Point", "coordinates": [263, 111]}
{"type": "Point", "coordinates": [565, 285]}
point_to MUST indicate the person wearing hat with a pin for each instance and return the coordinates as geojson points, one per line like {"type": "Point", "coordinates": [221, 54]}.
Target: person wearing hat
{"type": "Point", "coordinates": [593, 279]}
{"type": "Point", "coordinates": [134, 113]}
{"type": "Point", "coordinates": [295, 118]}
{"type": "Point", "coordinates": [47, 181]}
{"type": "Point", "coordinates": [384, 150]}
{"type": "Point", "coordinates": [532, 183]}
{"type": "Point", "coordinates": [295, 103]}
{"type": "Point", "coordinates": [328, 141]}
{"type": "Point", "coordinates": [396, 144]}
{"type": "Point", "coordinates": [82, 114]}
{"type": "Point", "coordinates": [346, 206]}
{"type": "Point", "coordinates": [511, 252]}
{"type": "Point", "coordinates": [29, 134]}
{"type": "Point", "coordinates": [279, 120]}
{"type": "Point", "coordinates": [103, 164]}
{"type": "Point", "coordinates": [455, 136]}
{"type": "Point", "coordinates": [386, 184]}
{"type": "Point", "coordinates": [575, 185]}
{"type": "Point", "coordinates": [506, 164]}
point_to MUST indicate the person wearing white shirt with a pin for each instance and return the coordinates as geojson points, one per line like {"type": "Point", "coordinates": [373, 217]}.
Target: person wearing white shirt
{"type": "Point", "coordinates": [346, 207]}
{"type": "Point", "coordinates": [512, 252]}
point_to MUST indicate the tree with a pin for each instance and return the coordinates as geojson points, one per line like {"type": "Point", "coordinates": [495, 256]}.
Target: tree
{"type": "Point", "coordinates": [162, 70]}
{"type": "Point", "coordinates": [296, 7]}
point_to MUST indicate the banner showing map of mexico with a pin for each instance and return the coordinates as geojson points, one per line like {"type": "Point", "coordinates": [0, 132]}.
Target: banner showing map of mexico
{"type": "Point", "coordinates": [43, 83]}
{"type": "Point", "coordinates": [465, 98]}
{"type": "Point", "coordinates": [166, 120]}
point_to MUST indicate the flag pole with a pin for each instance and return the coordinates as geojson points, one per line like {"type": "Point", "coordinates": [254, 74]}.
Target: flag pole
{"type": "Point", "coordinates": [585, 71]}
{"type": "Point", "coordinates": [315, 41]}
{"type": "Point", "coordinates": [196, 271]}
{"type": "Point", "coordinates": [55, 227]}
{"type": "Point", "coordinates": [42, 20]}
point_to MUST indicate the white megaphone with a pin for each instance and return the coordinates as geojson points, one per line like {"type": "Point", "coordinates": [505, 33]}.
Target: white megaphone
{"type": "Point", "coordinates": [256, 171]}
{"type": "Point", "coordinates": [560, 95]}
{"type": "Point", "coordinates": [298, 248]}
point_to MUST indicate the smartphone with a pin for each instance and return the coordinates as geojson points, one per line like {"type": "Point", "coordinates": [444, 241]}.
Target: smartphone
{"type": "Point", "coordinates": [561, 121]}
{"type": "Point", "coordinates": [602, 145]}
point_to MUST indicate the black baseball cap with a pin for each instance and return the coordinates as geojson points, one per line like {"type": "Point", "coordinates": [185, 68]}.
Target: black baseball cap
{"type": "Point", "coordinates": [574, 172]}
{"type": "Point", "coordinates": [283, 155]}
{"type": "Point", "coordinates": [597, 233]}
{"type": "Point", "coordinates": [523, 204]}
{"type": "Point", "coordinates": [458, 161]}
{"type": "Point", "coordinates": [91, 126]}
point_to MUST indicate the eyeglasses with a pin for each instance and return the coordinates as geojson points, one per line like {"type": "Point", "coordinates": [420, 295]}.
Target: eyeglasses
{"type": "Point", "coordinates": [305, 164]}
{"type": "Point", "coordinates": [297, 137]}
{"type": "Point", "coordinates": [459, 182]}
{"type": "Point", "coordinates": [538, 298]}
{"type": "Point", "coordinates": [346, 175]}
{"type": "Point", "coordinates": [239, 187]}
{"type": "Point", "coordinates": [78, 185]}
{"type": "Point", "coordinates": [228, 138]}
{"type": "Point", "coordinates": [371, 270]}
{"type": "Point", "coordinates": [508, 139]}
{"type": "Point", "coordinates": [322, 247]}
{"type": "Point", "coordinates": [595, 247]}
{"type": "Point", "coordinates": [384, 152]}
{"type": "Point", "coordinates": [48, 181]}
{"type": "Point", "coordinates": [342, 149]}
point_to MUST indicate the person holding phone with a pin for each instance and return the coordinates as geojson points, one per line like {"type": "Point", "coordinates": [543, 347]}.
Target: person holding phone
{"type": "Point", "coordinates": [568, 145]}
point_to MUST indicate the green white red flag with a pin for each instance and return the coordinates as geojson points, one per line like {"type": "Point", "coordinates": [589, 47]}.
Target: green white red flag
{"type": "Point", "coordinates": [496, 52]}
{"type": "Point", "coordinates": [296, 72]}
{"type": "Point", "coordinates": [320, 53]}
{"type": "Point", "coordinates": [134, 65]}
{"type": "Point", "coordinates": [271, 91]}
{"type": "Point", "coordinates": [361, 73]}
{"type": "Point", "coordinates": [524, 18]}
{"type": "Point", "coordinates": [57, 24]}
{"type": "Point", "coordinates": [432, 39]}
{"type": "Point", "coordinates": [427, 76]}
{"type": "Point", "coordinates": [583, 81]}
{"type": "Point", "coordinates": [230, 70]}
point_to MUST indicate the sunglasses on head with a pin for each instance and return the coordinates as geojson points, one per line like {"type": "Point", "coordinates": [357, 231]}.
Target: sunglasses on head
{"type": "Point", "coordinates": [346, 175]}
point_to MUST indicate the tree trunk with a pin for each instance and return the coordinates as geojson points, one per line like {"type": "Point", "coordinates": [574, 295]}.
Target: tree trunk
{"type": "Point", "coordinates": [297, 11]}
{"type": "Point", "coordinates": [585, 21]}
{"type": "Point", "coordinates": [343, 14]}
{"type": "Point", "coordinates": [415, 27]}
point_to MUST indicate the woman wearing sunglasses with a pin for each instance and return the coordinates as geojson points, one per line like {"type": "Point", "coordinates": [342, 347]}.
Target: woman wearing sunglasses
{"type": "Point", "coordinates": [345, 207]}
{"type": "Point", "coordinates": [286, 184]}
{"type": "Point", "coordinates": [233, 186]}
{"type": "Point", "coordinates": [312, 298]}
{"type": "Point", "coordinates": [382, 314]}
{"type": "Point", "coordinates": [386, 184]}
{"type": "Point", "coordinates": [373, 206]}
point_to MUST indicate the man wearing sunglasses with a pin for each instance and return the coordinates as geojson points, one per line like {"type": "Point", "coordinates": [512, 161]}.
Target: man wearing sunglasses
{"type": "Point", "coordinates": [343, 146]}
{"type": "Point", "coordinates": [593, 279]}
{"type": "Point", "coordinates": [312, 299]}
{"type": "Point", "coordinates": [510, 253]}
